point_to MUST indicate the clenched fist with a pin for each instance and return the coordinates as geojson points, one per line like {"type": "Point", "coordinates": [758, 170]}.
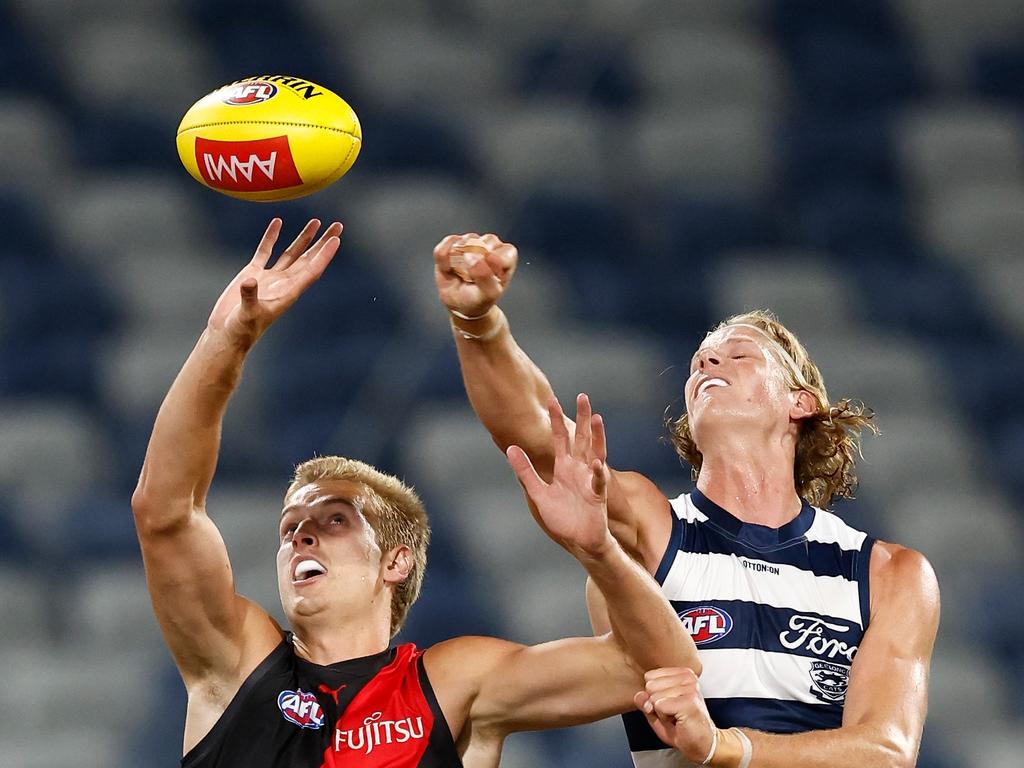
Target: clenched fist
{"type": "Point", "coordinates": [472, 271]}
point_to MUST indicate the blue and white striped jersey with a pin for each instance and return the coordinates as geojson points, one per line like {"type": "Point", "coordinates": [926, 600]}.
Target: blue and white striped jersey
{"type": "Point", "coordinates": [777, 615]}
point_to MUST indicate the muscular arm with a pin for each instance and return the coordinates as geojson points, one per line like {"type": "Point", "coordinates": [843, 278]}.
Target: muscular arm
{"type": "Point", "coordinates": [489, 688]}
{"type": "Point", "coordinates": [888, 693]}
{"type": "Point", "coordinates": [509, 393]}
{"type": "Point", "coordinates": [886, 700]}
{"type": "Point", "coordinates": [212, 632]}
{"type": "Point", "coordinates": [505, 687]}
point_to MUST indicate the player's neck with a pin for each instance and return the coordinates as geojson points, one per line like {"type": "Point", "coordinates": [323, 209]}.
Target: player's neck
{"type": "Point", "coordinates": [752, 482]}
{"type": "Point", "coordinates": [323, 643]}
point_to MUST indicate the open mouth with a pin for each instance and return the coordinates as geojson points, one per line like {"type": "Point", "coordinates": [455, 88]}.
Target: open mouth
{"type": "Point", "coordinates": [306, 571]}
{"type": "Point", "coordinates": [706, 385]}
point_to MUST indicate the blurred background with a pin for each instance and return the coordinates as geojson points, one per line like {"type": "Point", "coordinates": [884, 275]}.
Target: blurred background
{"type": "Point", "coordinates": [856, 165]}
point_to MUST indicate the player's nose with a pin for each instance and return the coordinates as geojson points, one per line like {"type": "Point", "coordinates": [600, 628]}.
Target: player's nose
{"type": "Point", "coordinates": [304, 535]}
{"type": "Point", "coordinates": [707, 357]}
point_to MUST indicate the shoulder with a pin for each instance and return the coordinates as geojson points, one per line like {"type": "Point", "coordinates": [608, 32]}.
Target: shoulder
{"type": "Point", "coordinates": [639, 516]}
{"type": "Point", "coordinates": [902, 578]}
{"type": "Point", "coordinates": [458, 668]}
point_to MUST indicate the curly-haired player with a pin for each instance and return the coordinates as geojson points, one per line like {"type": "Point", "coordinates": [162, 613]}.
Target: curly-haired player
{"type": "Point", "coordinates": [333, 691]}
{"type": "Point", "coordinates": [815, 638]}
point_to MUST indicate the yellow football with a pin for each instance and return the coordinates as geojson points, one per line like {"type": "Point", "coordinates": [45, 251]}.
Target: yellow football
{"type": "Point", "coordinates": [269, 137]}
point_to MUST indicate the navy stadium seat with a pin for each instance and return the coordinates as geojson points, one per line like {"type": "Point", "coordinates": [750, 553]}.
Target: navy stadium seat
{"type": "Point", "coordinates": [695, 230]}
{"type": "Point", "coordinates": [846, 56]}
{"type": "Point", "coordinates": [414, 141]}
{"type": "Point", "coordinates": [575, 229]}
{"type": "Point", "coordinates": [999, 73]}
{"type": "Point", "coordinates": [123, 140]}
{"type": "Point", "coordinates": [600, 75]}
{"type": "Point", "coordinates": [854, 222]}
{"type": "Point", "coordinates": [822, 151]}
{"type": "Point", "coordinates": [99, 527]}
{"type": "Point", "coordinates": [921, 298]}
{"type": "Point", "coordinates": [25, 233]}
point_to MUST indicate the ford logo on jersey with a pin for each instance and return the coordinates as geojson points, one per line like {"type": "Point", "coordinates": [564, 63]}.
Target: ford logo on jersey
{"type": "Point", "coordinates": [706, 624]}
{"type": "Point", "coordinates": [301, 708]}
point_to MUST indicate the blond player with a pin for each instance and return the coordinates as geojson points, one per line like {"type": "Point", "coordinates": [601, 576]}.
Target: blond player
{"type": "Point", "coordinates": [333, 690]}
{"type": "Point", "coordinates": [815, 639]}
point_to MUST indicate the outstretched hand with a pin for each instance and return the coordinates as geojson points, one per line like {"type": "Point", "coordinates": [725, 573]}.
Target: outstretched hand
{"type": "Point", "coordinates": [573, 508]}
{"type": "Point", "coordinates": [259, 294]}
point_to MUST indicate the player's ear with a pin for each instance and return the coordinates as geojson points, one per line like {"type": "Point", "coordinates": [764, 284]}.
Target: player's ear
{"type": "Point", "coordinates": [804, 405]}
{"type": "Point", "coordinates": [398, 564]}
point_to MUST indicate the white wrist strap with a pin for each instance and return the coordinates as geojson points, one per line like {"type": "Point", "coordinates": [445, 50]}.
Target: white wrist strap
{"type": "Point", "coordinates": [468, 317]}
{"type": "Point", "coordinates": [714, 746]}
{"type": "Point", "coordinates": [486, 335]}
{"type": "Point", "coordinates": [748, 749]}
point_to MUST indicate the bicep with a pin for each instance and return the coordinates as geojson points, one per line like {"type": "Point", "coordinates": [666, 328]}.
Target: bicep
{"type": "Point", "coordinates": [557, 684]}
{"type": "Point", "coordinates": [191, 585]}
{"type": "Point", "coordinates": [889, 677]}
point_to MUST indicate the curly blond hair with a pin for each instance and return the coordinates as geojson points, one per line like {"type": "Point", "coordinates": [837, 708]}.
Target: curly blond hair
{"type": "Point", "coordinates": [829, 441]}
{"type": "Point", "coordinates": [397, 516]}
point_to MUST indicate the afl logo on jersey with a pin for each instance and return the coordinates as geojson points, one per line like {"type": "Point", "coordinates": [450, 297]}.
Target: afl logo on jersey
{"type": "Point", "coordinates": [706, 624]}
{"type": "Point", "coordinates": [301, 708]}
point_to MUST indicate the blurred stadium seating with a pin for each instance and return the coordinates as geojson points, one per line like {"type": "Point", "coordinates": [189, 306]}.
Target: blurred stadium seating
{"type": "Point", "coordinates": [857, 165]}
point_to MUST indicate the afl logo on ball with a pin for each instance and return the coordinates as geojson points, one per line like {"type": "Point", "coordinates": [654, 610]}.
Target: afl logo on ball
{"type": "Point", "coordinates": [706, 624]}
{"type": "Point", "coordinates": [250, 93]}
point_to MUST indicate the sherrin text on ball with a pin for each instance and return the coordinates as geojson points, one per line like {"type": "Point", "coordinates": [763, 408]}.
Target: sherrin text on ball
{"type": "Point", "coordinates": [269, 137]}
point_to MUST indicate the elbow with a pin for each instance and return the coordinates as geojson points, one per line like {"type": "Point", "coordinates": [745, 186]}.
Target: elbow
{"type": "Point", "coordinates": [154, 518]}
{"type": "Point", "coordinates": [896, 751]}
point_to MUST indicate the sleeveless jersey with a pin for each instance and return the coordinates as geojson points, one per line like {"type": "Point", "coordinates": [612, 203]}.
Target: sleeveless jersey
{"type": "Point", "coordinates": [777, 615]}
{"type": "Point", "coordinates": [369, 712]}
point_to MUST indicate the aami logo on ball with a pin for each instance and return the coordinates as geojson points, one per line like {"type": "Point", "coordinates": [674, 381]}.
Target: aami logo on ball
{"type": "Point", "coordinates": [301, 708]}
{"type": "Point", "coordinates": [706, 624]}
{"type": "Point", "coordinates": [247, 166]}
{"type": "Point", "coordinates": [250, 93]}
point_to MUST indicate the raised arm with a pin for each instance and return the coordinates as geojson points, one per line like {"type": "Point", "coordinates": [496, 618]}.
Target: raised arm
{"type": "Point", "coordinates": [886, 700]}
{"type": "Point", "coordinates": [510, 394]}
{"type": "Point", "coordinates": [511, 687]}
{"type": "Point", "coordinates": [211, 631]}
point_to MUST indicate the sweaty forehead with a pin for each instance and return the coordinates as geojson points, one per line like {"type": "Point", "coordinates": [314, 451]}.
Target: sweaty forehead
{"type": "Point", "coordinates": [326, 492]}
{"type": "Point", "coordinates": [737, 332]}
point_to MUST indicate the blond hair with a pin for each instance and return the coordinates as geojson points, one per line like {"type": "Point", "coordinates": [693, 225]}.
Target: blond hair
{"type": "Point", "coordinates": [397, 516]}
{"type": "Point", "coordinates": [829, 441]}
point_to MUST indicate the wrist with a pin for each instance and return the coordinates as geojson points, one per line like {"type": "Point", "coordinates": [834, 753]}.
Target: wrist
{"type": "Point", "coordinates": [600, 555]}
{"type": "Point", "coordinates": [733, 749]}
{"type": "Point", "coordinates": [479, 327]}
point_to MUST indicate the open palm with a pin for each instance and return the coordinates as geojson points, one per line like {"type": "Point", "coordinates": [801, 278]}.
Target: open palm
{"type": "Point", "coordinates": [259, 294]}
{"type": "Point", "coordinates": [573, 507]}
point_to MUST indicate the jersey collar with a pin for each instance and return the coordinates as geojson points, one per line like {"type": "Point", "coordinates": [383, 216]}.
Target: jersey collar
{"type": "Point", "coordinates": [752, 534]}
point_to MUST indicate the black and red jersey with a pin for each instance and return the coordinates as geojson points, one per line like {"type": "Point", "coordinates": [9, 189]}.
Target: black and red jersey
{"type": "Point", "coordinates": [371, 712]}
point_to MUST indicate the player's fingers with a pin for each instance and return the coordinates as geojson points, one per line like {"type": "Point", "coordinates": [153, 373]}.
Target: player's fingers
{"type": "Point", "coordinates": [581, 441]}
{"type": "Point", "coordinates": [503, 259]}
{"type": "Point", "coordinates": [319, 260]}
{"type": "Point", "coordinates": [475, 267]}
{"type": "Point", "coordinates": [654, 674]}
{"type": "Point", "coordinates": [267, 242]}
{"type": "Point", "coordinates": [599, 484]}
{"type": "Point", "coordinates": [299, 244]}
{"type": "Point", "coordinates": [334, 230]}
{"type": "Point", "coordinates": [248, 290]}
{"type": "Point", "coordinates": [442, 251]}
{"type": "Point", "coordinates": [559, 432]}
{"type": "Point", "coordinates": [527, 475]}
{"type": "Point", "coordinates": [599, 443]}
